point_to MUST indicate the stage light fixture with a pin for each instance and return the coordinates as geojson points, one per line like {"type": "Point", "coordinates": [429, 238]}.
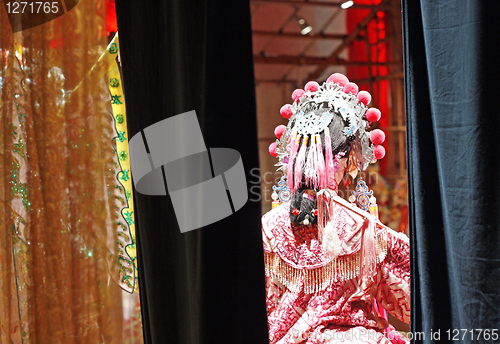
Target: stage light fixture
{"type": "Point", "coordinates": [306, 30]}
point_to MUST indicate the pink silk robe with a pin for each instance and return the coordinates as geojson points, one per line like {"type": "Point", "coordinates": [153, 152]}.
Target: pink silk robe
{"type": "Point", "coordinates": [313, 298]}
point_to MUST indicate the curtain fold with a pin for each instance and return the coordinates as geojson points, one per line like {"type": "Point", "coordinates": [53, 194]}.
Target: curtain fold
{"type": "Point", "coordinates": [57, 246]}
{"type": "Point", "coordinates": [451, 80]}
{"type": "Point", "coordinates": [177, 56]}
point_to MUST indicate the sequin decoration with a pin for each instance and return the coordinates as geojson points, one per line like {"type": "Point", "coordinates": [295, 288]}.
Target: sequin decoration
{"type": "Point", "coordinates": [128, 217]}
{"type": "Point", "coordinates": [122, 155]}
{"type": "Point", "coordinates": [125, 176]}
{"type": "Point", "coordinates": [121, 225]}
{"type": "Point", "coordinates": [14, 132]}
{"type": "Point", "coordinates": [121, 136]}
{"type": "Point", "coordinates": [119, 118]}
{"type": "Point", "coordinates": [113, 82]}
{"type": "Point", "coordinates": [113, 48]}
{"type": "Point", "coordinates": [19, 189]}
{"type": "Point", "coordinates": [20, 148]}
{"type": "Point", "coordinates": [115, 99]}
{"type": "Point", "coordinates": [58, 210]}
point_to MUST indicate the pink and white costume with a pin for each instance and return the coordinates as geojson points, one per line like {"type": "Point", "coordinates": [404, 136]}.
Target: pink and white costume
{"type": "Point", "coordinates": [314, 298]}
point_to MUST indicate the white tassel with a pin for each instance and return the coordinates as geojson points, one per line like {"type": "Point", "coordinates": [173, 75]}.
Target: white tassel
{"type": "Point", "coordinates": [368, 253]}
{"type": "Point", "coordinates": [311, 165]}
{"type": "Point", "coordinates": [331, 241]}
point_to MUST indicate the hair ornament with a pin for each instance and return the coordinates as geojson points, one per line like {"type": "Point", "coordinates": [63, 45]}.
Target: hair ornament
{"type": "Point", "coordinates": [372, 115]}
{"type": "Point", "coordinates": [279, 130]}
{"type": "Point", "coordinates": [286, 111]}
{"type": "Point", "coordinates": [297, 94]}
{"type": "Point", "coordinates": [379, 152]}
{"type": "Point", "coordinates": [351, 87]}
{"type": "Point", "coordinates": [377, 136]}
{"type": "Point", "coordinates": [306, 220]}
{"type": "Point", "coordinates": [299, 145]}
{"type": "Point", "coordinates": [337, 78]}
{"type": "Point", "coordinates": [272, 149]}
{"type": "Point", "coordinates": [364, 97]}
{"type": "Point", "coordinates": [312, 86]}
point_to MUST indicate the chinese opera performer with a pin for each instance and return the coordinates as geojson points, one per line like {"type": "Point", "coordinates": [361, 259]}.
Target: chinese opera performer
{"type": "Point", "coordinates": [333, 270]}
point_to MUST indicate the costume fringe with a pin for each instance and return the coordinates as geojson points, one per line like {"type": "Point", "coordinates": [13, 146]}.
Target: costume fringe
{"type": "Point", "coordinates": [368, 249]}
{"type": "Point", "coordinates": [342, 268]}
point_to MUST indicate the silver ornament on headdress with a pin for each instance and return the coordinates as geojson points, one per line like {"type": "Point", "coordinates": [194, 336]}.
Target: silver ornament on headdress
{"type": "Point", "coordinates": [310, 123]}
{"type": "Point", "coordinates": [304, 121]}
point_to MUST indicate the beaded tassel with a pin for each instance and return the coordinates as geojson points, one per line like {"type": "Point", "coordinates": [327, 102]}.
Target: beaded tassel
{"type": "Point", "coordinates": [294, 144]}
{"type": "Point", "coordinates": [299, 164]}
{"type": "Point", "coordinates": [340, 269]}
{"type": "Point", "coordinates": [322, 181]}
{"type": "Point", "coordinates": [328, 156]}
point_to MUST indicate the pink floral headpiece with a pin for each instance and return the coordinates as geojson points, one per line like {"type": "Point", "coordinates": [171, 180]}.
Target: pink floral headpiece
{"type": "Point", "coordinates": [299, 144]}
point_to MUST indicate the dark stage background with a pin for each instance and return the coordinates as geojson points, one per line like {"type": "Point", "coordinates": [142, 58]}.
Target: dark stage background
{"type": "Point", "coordinates": [206, 285]}
{"type": "Point", "coordinates": [452, 75]}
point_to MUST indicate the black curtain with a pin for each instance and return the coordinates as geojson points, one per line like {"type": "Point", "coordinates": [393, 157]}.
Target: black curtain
{"type": "Point", "coordinates": [452, 71]}
{"type": "Point", "coordinates": [206, 285]}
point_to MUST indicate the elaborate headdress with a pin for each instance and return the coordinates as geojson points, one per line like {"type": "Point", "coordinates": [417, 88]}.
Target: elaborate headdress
{"type": "Point", "coordinates": [332, 117]}
{"type": "Point", "coordinates": [299, 144]}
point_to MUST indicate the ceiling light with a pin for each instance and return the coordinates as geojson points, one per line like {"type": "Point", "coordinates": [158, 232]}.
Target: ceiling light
{"type": "Point", "coordinates": [347, 4]}
{"type": "Point", "coordinates": [306, 30]}
{"type": "Point", "coordinates": [304, 26]}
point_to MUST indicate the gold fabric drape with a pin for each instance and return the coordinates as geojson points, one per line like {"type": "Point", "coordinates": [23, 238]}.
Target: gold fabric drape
{"type": "Point", "coordinates": [56, 171]}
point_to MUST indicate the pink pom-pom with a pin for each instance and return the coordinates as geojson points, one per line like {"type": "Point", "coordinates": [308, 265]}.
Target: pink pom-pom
{"type": "Point", "coordinates": [338, 78]}
{"type": "Point", "coordinates": [373, 114]}
{"type": "Point", "coordinates": [312, 86]}
{"type": "Point", "coordinates": [272, 149]}
{"type": "Point", "coordinates": [280, 129]}
{"type": "Point", "coordinates": [364, 97]}
{"type": "Point", "coordinates": [286, 111]}
{"type": "Point", "coordinates": [297, 94]}
{"type": "Point", "coordinates": [379, 152]}
{"type": "Point", "coordinates": [377, 136]}
{"type": "Point", "coordinates": [351, 87]}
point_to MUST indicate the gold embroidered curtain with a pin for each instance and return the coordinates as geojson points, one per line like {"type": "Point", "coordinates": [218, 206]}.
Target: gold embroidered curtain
{"type": "Point", "coordinates": [57, 207]}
